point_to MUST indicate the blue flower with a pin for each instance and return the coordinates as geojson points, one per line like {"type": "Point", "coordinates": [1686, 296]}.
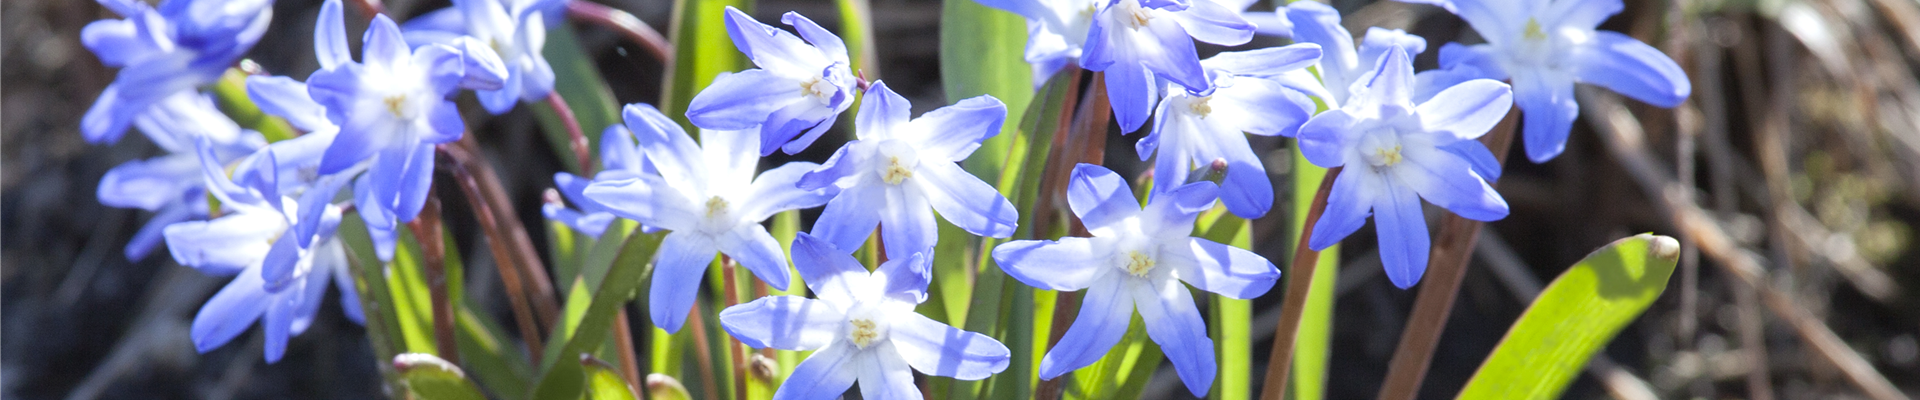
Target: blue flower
{"type": "Point", "coordinates": [1397, 153]}
{"type": "Point", "coordinates": [618, 157]}
{"type": "Point", "coordinates": [800, 86]}
{"type": "Point", "coordinates": [899, 171]}
{"type": "Point", "coordinates": [171, 185]}
{"type": "Point", "coordinates": [862, 328]}
{"type": "Point", "coordinates": [391, 109]}
{"type": "Point", "coordinates": [1136, 260]}
{"type": "Point", "coordinates": [708, 196]}
{"type": "Point", "coordinates": [1544, 47]}
{"type": "Point", "coordinates": [160, 52]}
{"type": "Point", "coordinates": [514, 29]}
{"type": "Point", "coordinates": [1194, 129]}
{"type": "Point", "coordinates": [1134, 42]}
{"type": "Point", "coordinates": [1056, 31]}
{"type": "Point", "coordinates": [1343, 64]}
{"type": "Point", "coordinates": [280, 252]}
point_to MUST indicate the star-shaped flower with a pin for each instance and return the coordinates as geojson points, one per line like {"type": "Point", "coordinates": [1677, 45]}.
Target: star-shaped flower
{"type": "Point", "coordinates": [800, 85]}
{"type": "Point", "coordinates": [899, 171]}
{"type": "Point", "coordinates": [171, 185]}
{"type": "Point", "coordinates": [514, 29]}
{"type": "Point", "coordinates": [177, 47]}
{"type": "Point", "coordinates": [1136, 260]}
{"type": "Point", "coordinates": [707, 195]}
{"type": "Point", "coordinates": [1137, 42]}
{"type": "Point", "coordinates": [1194, 129]}
{"type": "Point", "coordinates": [862, 328]}
{"type": "Point", "coordinates": [1544, 47]}
{"type": "Point", "coordinates": [1395, 153]}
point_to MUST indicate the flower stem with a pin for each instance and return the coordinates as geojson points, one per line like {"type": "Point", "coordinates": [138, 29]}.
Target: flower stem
{"type": "Point", "coordinates": [475, 178]}
{"type": "Point", "coordinates": [1294, 304]}
{"type": "Point", "coordinates": [426, 229]}
{"type": "Point", "coordinates": [576, 140]}
{"type": "Point", "coordinates": [732, 297]}
{"type": "Point", "coordinates": [628, 26]}
{"type": "Point", "coordinates": [1088, 133]}
{"type": "Point", "coordinates": [1452, 248]}
{"type": "Point", "coordinates": [629, 359]}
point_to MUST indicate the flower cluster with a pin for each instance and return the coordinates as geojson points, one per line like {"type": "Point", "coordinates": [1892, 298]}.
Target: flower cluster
{"type": "Point", "coordinates": [1401, 139]}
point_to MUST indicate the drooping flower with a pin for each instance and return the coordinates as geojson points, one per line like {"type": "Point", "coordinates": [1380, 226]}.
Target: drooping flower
{"type": "Point", "coordinates": [1136, 260]}
{"type": "Point", "coordinates": [1395, 155]}
{"type": "Point", "coordinates": [862, 328]}
{"type": "Point", "coordinates": [1194, 129]}
{"type": "Point", "coordinates": [707, 195]}
{"type": "Point", "coordinates": [899, 171]}
{"type": "Point", "coordinates": [800, 85]}
{"type": "Point", "coordinates": [391, 109]}
{"type": "Point", "coordinates": [1137, 42]}
{"type": "Point", "coordinates": [276, 239]}
{"type": "Point", "coordinates": [618, 158]}
{"type": "Point", "coordinates": [514, 29]}
{"type": "Point", "coordinates": [1544, 47]}
{"type": "Point", "coordinates": [171, 185]}
{"type": "Point", "coordinates": [177, 47]}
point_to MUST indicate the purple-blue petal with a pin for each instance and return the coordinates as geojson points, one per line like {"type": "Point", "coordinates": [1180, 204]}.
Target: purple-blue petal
{"type": "Point", "coordinates": [1072, 263]}
{"type": "Point", "coordinates": [1105, 312]}
{"type": "Point", "coordinates": [783, 322]}
{"type": "Point", "coordinates": [678, 268]}
{"type": "Point", "coordinates": [1624, 64]}
{"type": "Point", "coordinates": [937, 349]}
{"type": "Point", "coordinates": [1099, 196]}
{"type": "Point", "coordinates": [1402, 230]}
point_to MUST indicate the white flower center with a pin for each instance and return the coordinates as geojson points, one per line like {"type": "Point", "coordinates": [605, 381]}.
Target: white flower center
{"type": "Point", "coordinates": [1532, 31]}
{"type": "Point", "coordinates": [1131, 15]}
{"type": "Point", "coordinates": [1381, 150]}
{"type": "Point", "coordinates": [718, 217]}
{"type": "Point", "coordinates": [865, 327]}
{"type": "Point", "coordinates": [1139, 263]}
{"type": "Point", "coordinates": [818, 89]}
{"type": "Point", "coordinates": [1200, 107]}
{"type": "Point", "coordinates": [896, 162]}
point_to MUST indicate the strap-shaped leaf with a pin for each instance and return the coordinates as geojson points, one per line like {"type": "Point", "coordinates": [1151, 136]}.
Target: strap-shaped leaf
{"type": "Point", "coordinates": [431, 378]}
{"type": "Point", "coordinates": [566, 380]}
{"type": "Point", "coordinates": [1574, 318]}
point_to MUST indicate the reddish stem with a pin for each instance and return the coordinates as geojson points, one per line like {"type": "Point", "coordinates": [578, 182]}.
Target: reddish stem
{"type": "Point", "coordinates": [426, 230]}
{"type": "Point", "coordinates": [628, 26]}
{"type": "Point", "coordinates": [1294, 305]}
{"type": "Point", "coordinates": [576, 140]}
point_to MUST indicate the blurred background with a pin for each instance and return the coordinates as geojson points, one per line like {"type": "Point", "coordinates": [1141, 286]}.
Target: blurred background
{"type": "Point", "coordinates": [1801, 143]}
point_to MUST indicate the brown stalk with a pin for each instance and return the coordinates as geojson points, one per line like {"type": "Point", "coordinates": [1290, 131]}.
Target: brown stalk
{"type": "Point", "coordinates": [703, 353]}
{"type": "Point", "coordinates": [629, 363]}
{"type": "Point", "coordinates": [1088, 133]}
{"type": "Point", "coordinates": [1294, 305]}
{"type": "Point", "coordinates": [508, 223]}
{"type": "Point", "coordinates": [1447, 268]}
{"type": "Point", "coordinates": [1622, 135]}
{"type": "Point", "coordinates": [732, 295]}
{"type": "Point", "coordinates": [433, 257]}
{"type": "Point", "coordinates": [524, 318]}
{"type": "Point", "coordinates": [630, 27]}
{"type": "Point", "coordinates": [576, 140]}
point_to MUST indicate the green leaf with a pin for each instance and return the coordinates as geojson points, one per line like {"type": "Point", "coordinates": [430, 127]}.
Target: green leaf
{"type": "Point", "coordinates": [370, 281]}
{"type": "Point", "coordinates": [564, 380]}
{"type": "Point", "coordinates": [1232, 318]}
{"type": "Point", "coordinates": [1574, 318]}
{"type": "Point", "coordinates": [702, 51]}
{"type": "Point", "coordinates": [1315, 335]}
{"type": "Point", "coordinates": [664, 387]}
{"type": "Point", "coordinates": [431, 378]}
{"type": "Point", "coordinates": [982, 52]}
{"type": "Point", "coordinates": [604, 382]}
{"type": "Point", "coordinates": [1123, 372]}
{"type": "Point", "coordinates": [578, 81]}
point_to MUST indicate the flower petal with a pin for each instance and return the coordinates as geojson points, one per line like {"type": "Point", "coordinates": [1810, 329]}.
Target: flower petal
{"type": "Point", "coordinates": [1211, 22]}
{"type": "Point", "coordinates": [883, 374]}
{"type": "Point", "coordinates": [1448, 181]}
{"type": "Point", "coordinates": [741, 100]}
{"type": "Point", "coordinates": [770, 47]}
{"type": "Point", "coordinates": [883, 113]}
{"type": "Point", "coordinates": [851, 217]}
{"type": "Point", "coordinates": [952, 133]}
{"type": "Point", "coordinates": [678, 268]}
{"type": "Point", "coordinates": [1348, 206]}
{"type": "Point", "coordinates": [965, 200]}
{"type": "Point", "coordinates": [1178, 206]}
{"type": "Point", "coordinates": [940, 350]}
{"type": "Point", "coordinates": [287, 98]}
{"type": "Point", "coordinates": [1403, 235]}
{"type": "Point", "coordinates": [1465, 111]}
{"type": "Point", "coordinates": [383, 45]}
{"type": "Point", "coordinates": [330, 38]}
{"type": "Point", "coordinates": [645, 198]}
{"type": "Point", "coordinates": [1072, 263]}
{"type": "Point", "coordinates": [1173, 321]}
{"type": "Point", "coordinates": [831, 273]}
{"type": "Point", "coordinates": [151, 183]}
{"type": "Point", "coordinates": [667, 147]}
{"type": "Point", "coordinates": [777, 190]}
{"type": "Point", "coordinates": [229, 312]}
{"type": "Point", "coordinates": [754, 248]}
{"type": "Point", "coordinates": [1324, 138]}
{"type": "Point", "coordinates": [1547, 110]}
{"type": "Point", "coordinates": [783, 322]}
{"type": "Point", "coordinates": [222, 246]}
{"type": "Point", "coordinates": [906, 279]}
{"type": "Point", "coordinates": [826, 42]}
{"type": "Point", "coordinates": [1100, 197]}
{"type": "Point", "coordinates": [1130, 91]}
{"type": "Point", "coordinates": [1226, 270]}
{"type": "Point", "coordinates": [1105, 312]}
{"type": "Point", "coordinates": [1624, 64]}
{"type": "Point", "coordinates": [826, 374]}
{"type": "Point", "coordinates": [1477, 155]}
{"type": "Point", "coordinates": [1378, 40]}
{"type": "Point", "coordinates": [906, 222]}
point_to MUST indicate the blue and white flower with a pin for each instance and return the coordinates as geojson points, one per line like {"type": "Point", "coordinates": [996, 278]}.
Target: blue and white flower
{"type": "Point", "coordinates": [800, 85]}
{"type": "Point", "coordinates": [1194, 129]}
{"type": "Point", "coordinates": [1136, 260]}
{"type": "Point", "coordinates": [707, 195]}
{"type": "Point", "coordinates": [618, 157]}
{"type": "Point", "coordinates": [1544, 47]}
{"type": "Point", "coordinates": [516, 30]}
{"type": "Point", "coordinates": [861, 328]}
{"type": "Point", "coordinates": [1138, 42]}
{"type": "Point", "coordinates": [177, 47]}
{"type": "Point", "coordinates": [899, 171]}
{"type": "Point", "coordinates": [1396, 153]}
{"type": "Point", "coordinates": [172, 186]}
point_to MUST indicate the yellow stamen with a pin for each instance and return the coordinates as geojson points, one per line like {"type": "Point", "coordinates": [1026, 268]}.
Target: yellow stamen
{"type": "Point", "coordinates": [1533, 31]}
{"type": "Point", "coordinates": [1139, 263]}
{"type": "Point", "coordinates": [1201, 107]}
{"type": "Point", "coordinates": [864, 332]}
{"type": "Point", "coordinates": [716, 205]}
{"type": "Point", "coordinates": [1388, 157]}
{"type": "Point", "coordinates": [895, 172]}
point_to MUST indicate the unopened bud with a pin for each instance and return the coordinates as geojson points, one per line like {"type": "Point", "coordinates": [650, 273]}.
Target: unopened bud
{"type": "Point", "coordinates": [1215, 172]}
{"type": "Point", "coordinates": [662, 387]}
{"type": "Point", "coordinates": [761, 368]}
